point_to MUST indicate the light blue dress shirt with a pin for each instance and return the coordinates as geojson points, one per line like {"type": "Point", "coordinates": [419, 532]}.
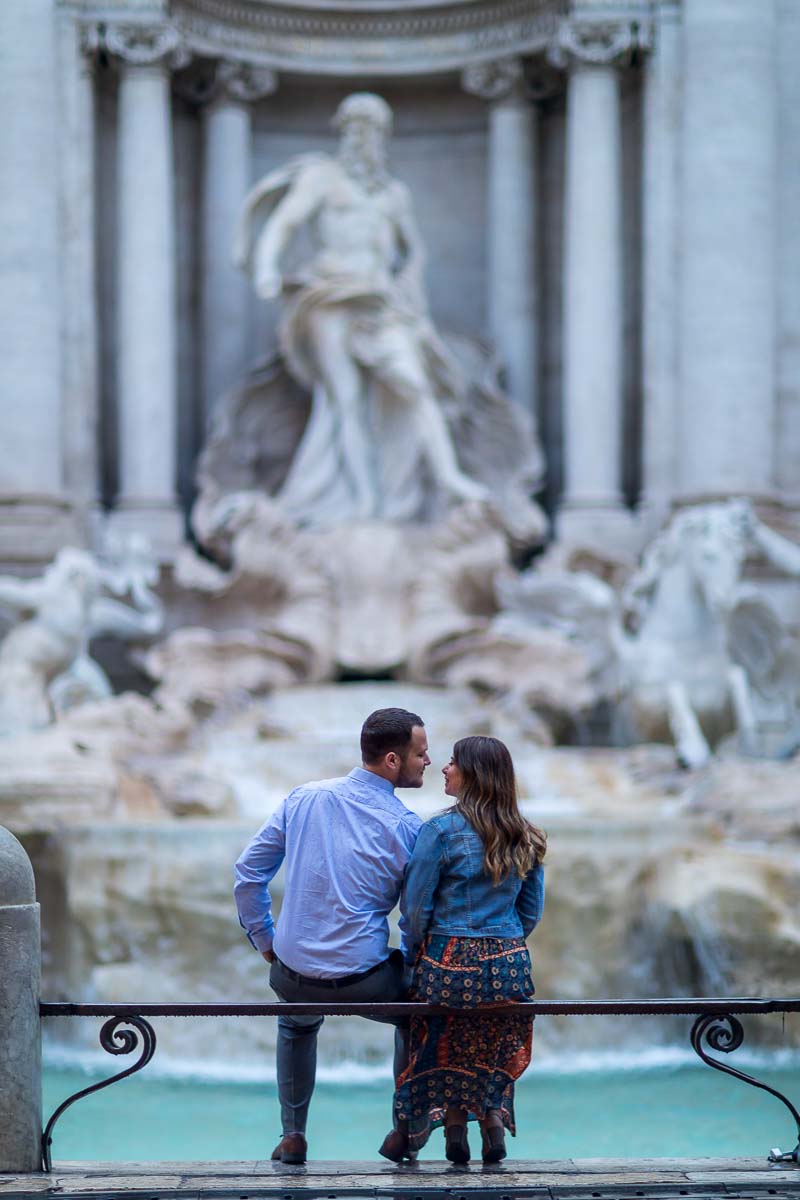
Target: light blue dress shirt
{"type": "Point", "coordinates": [346, 843]}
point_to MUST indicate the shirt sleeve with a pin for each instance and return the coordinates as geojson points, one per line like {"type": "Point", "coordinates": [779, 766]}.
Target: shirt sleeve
{"type": "Point", "coordinates": [530, 901]}
{"type": "Point", "coordinates": [255, 868]}
{"type": "Point", "coordinates": [419, 890]}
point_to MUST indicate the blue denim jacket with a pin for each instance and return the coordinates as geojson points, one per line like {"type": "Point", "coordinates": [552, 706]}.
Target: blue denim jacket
{"type": "Point", "coordinates": [447, 890]}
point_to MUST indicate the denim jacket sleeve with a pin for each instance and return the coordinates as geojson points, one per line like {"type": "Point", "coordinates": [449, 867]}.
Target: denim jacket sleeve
{"type": "Point", "coordinates": [419, 888]}
{"type": "Point", "coordinates": [530, 901]}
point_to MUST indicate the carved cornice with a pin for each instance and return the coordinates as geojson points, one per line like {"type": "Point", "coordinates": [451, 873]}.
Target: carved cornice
{"type": "Point", "coordinates": [138, 44]}
{"type": "Point", "coordinates": [384, 39]}
{"type": "Point", "coordinates": [597, 42]}
{"type": "Point", "coordinates": [499, 79]}
{"type": "Point", "coordinates": [484, 39]}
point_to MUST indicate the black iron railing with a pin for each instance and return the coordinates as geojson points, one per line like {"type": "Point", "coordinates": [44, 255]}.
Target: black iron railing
{"type": "Point", "coordinates": [716, 1027]}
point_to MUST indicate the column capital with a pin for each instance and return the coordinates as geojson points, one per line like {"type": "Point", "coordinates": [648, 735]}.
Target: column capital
{"type": "Point", "coordinates": [594, 42]}
{"type": "Point", "coordinates": [233, 80]}
{"type": "Point", "coordinates": [244, 81]}
{"type": "Point", "coordinates": [499, 79]}
{"type": "Point", "coordinates": [138, 45]}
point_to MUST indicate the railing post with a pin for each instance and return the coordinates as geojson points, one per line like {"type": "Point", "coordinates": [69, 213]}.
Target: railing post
{"type": "Point", "coordinates": [20, 1035]}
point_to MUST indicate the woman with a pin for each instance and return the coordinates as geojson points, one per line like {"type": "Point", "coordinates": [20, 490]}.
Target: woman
{"type": "Point", "coordinates": [474, 890]}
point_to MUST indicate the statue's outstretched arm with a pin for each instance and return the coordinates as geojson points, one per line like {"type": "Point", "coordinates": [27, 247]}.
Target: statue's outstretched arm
{"type": "Point", "coordinates": [779, 550]}
{"type": "Point", "coordinates": [294, 210]}
{"type": "Point", "coordinates": [20, 594]}
{"type": "Point", "coordinates": [243, 234]}
{"type": "Point", "coordinates": [263, 199]}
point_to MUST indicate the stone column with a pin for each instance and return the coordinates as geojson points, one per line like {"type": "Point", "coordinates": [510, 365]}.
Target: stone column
{"type": "Point", "coordinates": [660, 200]}
{"type": "Point", "coordinates": [512, 223]}
{"type": "Point", "coordinates": [20, 1037]}
{"type": "Point", "coordinates": [147, 310]}
{"type": "Point", "coordinates": [34, 514]}
{"type": "Point", "coordinates": [728, 217]}
{"type": "Point", "coordinates": [227, 168]}
{"type": "Point", "coordinates": [79, 331]}
{"type": "Point", "coordinates": [787, 468]}
{"type": "Point", "coordinates": [592, 508]}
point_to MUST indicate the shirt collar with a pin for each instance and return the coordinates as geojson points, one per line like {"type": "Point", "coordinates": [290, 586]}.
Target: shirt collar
{"type": "Point", "coordinates": [370, 777]}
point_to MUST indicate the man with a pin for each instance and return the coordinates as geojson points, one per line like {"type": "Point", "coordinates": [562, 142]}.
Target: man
{"type": "Point", "coordinates": [356, 331]}
{"type": "Point", "coordinates": [346, 843]}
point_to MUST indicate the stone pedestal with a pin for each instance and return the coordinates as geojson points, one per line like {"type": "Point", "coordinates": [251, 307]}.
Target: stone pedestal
{"type": "Point", "coordinates": [592, 314]}
{"type": "Point", "coordinates": [20, 1039]}
{"type": "Point", "coordinates": [660, 201]}
{"type": "Point", "coordinates": [146, 309]}
{"type": "Point", "coordinates": [727, 294]}
{"type": "Point", "coordinates": [227, 154]}
{"type": "Point", "coordinates": [30, 299]}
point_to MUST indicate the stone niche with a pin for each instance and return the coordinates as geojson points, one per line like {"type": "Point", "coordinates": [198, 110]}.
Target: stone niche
{"type": "Point", "coordinates": [439, 150]}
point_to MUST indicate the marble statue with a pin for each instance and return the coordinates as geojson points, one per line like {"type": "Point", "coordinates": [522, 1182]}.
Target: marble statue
{"type": "Point", "coordinates": [702, 634]}
{"type": "Point", "coordinates": [688, 651]}
{"type": "Point", "coordinates": [45, 663]}
{"type": "Point", "coordinates": [393, 408]}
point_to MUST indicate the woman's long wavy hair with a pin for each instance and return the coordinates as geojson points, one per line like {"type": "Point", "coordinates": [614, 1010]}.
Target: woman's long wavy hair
{"type": "Point", "coordinates": [488, 800]}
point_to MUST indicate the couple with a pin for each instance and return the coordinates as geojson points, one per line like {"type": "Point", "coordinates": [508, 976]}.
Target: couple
{"type": "Point", "coordinates": [471, 888]}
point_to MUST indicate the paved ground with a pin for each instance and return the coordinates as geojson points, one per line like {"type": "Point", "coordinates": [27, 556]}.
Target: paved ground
{"type": "Point", "coordinates": [565, 1179]}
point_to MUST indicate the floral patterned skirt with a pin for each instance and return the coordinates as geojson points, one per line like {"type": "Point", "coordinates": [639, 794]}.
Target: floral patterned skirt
{"type": "Point", "coordinates": [470, 1062]}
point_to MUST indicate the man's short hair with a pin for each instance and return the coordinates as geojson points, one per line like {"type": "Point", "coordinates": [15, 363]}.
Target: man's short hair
{"type": "Point", "coordinates": [385, 730]}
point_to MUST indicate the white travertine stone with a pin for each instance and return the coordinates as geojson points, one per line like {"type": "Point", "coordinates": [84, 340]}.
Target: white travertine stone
{"type": "Point", "coordinates": [592, 314]}
{"type": "Point", "coordinates": [45, 665]}
{"type": "Point", "coordinates": [79, 328]}
{"type": "Point", "coordinates": [227, 166]}
{"type": "Point", "coordinates": [31, 493]}
{"type": "Point", "coordinates": [688, 640]}
{"type": "Point", "coordinates": [727, 292]}
{"type": "Point", "coordinates": [20, 1038]}
{"type": "Point", "coordinates": [660, 199]}
{"type": "Point", "coordinates": [146, 311]}
{"type": "Point", "coordinates": [511, 240]}
{"type": "Point", "coordinates": [787, 464]}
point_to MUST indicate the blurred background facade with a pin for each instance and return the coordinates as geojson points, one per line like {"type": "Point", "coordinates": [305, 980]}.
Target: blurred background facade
{"type": "Point", "coordinates": [608, 193]}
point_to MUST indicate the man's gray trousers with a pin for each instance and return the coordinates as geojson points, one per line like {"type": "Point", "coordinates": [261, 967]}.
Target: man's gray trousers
{"type": "Point", "coordinates": [297, 1036]}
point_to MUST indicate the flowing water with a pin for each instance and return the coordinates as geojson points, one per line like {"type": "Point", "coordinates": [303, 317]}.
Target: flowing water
{"type": "Point", "coordinates": [675, 1109]}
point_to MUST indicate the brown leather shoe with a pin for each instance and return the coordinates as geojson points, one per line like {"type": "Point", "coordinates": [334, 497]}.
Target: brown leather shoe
{"type": "Point", "coordinates": [493, 1144]}
{"type": "Point", "coordinates": [456, 1143]}
{"type": "Point", "coordinates": [395, 1147]}
{"type": "Point", "coordinates": [292, 1148]}
{"type": "Point", "coordinates": [493, 1137]}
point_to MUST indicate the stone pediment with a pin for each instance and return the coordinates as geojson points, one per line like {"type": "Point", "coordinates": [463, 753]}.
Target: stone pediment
{"type": "Point", "coordinates": [357, 37]}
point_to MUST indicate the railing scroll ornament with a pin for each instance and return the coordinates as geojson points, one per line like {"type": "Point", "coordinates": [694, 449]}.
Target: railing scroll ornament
{"type": "Point", "coordinates": [119, 1035]}
{"type": "Point", "coordinates": [724, 1033]}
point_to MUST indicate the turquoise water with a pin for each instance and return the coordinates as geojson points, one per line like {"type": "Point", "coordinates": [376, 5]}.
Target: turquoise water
{"type": "Point", "coordinates": [679, 1111]}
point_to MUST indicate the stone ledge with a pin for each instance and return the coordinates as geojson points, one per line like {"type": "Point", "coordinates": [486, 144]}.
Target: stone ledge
{"type": "Point", "coordinates": [578, 1179]}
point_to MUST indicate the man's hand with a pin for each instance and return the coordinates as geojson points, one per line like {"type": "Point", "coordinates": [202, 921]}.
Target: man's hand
{"type": "Point", "coordinates": [268, 956]}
